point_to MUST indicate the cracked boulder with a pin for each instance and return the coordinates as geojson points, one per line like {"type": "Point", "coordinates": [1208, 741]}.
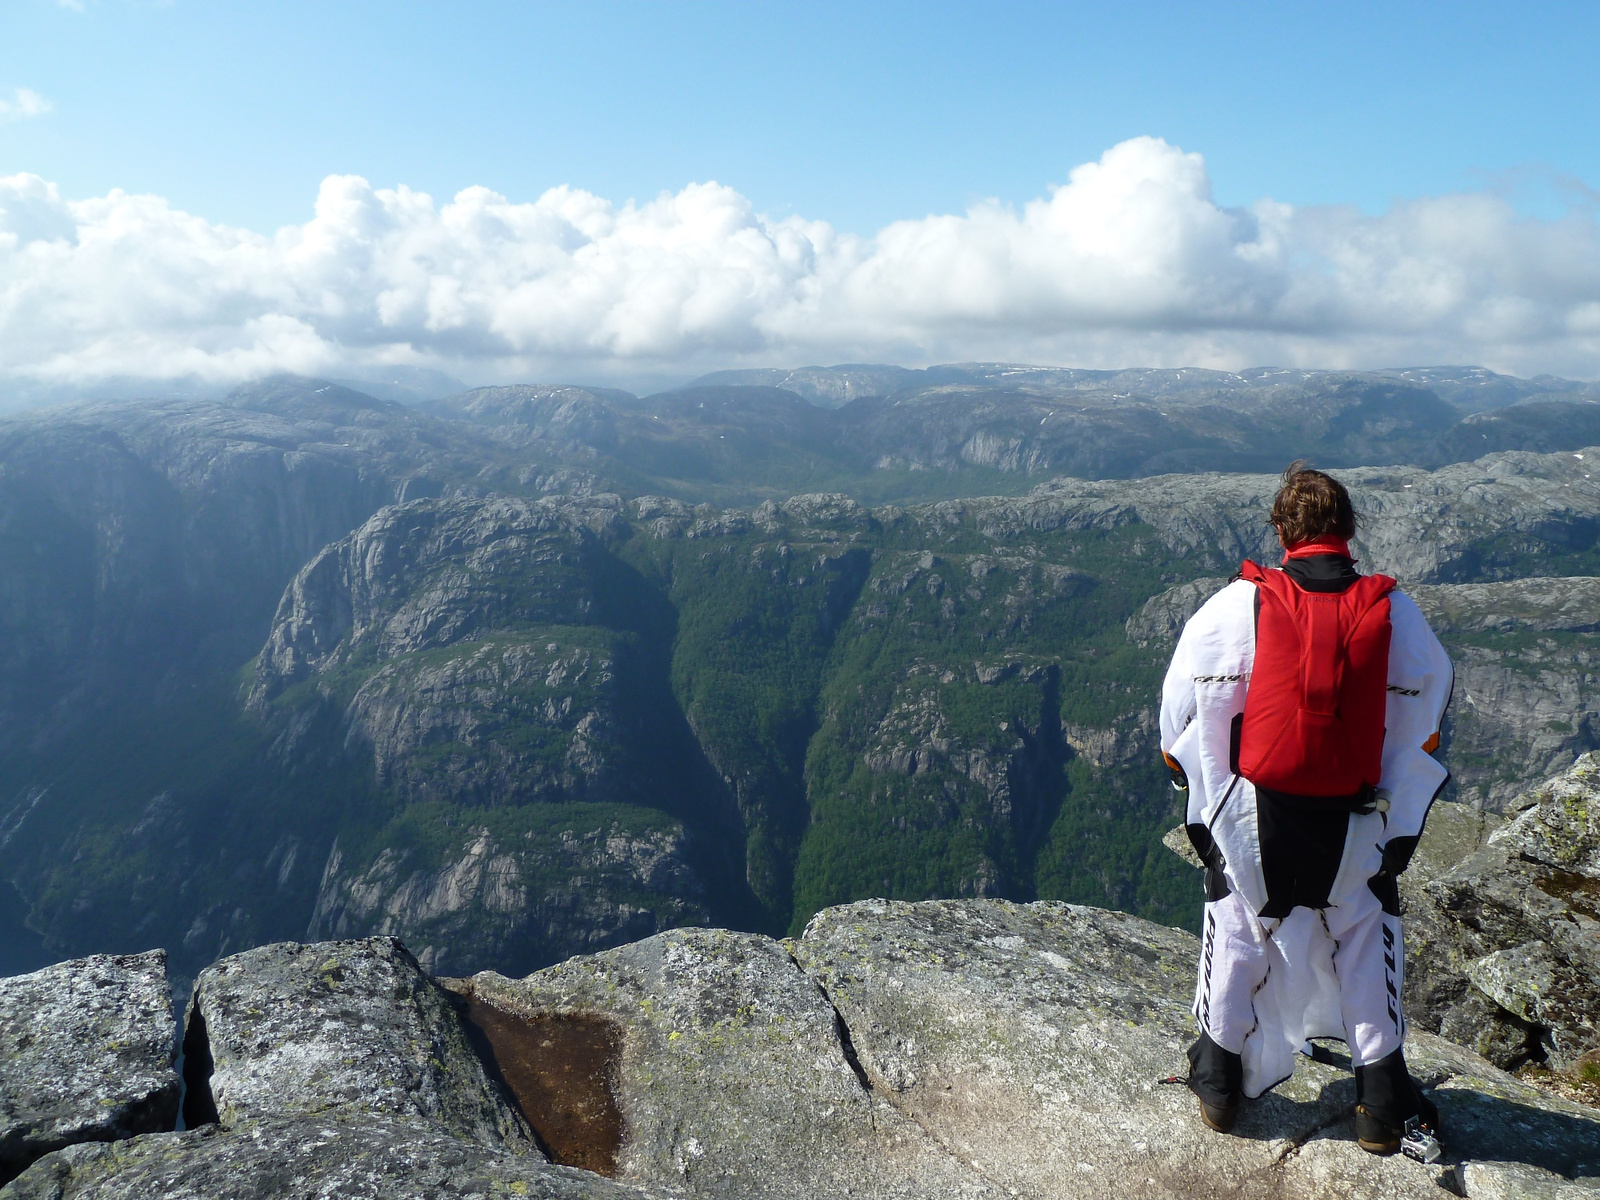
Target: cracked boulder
{"type": "Point", "coordinates": [85, 1055]}
{"type": "Point", "coordinates": [344, 1154]}
{"type": "Point", "coordinates": [1034, 1041]}
{"type": "Point", "coordinates": [297, 1029]}
{"type": "Point", "coordinates": [1503, 925]}
{"type": "Point", "coordinates": [335, 1069]}
{"type": "Point", "coordinates": [734, 1077]}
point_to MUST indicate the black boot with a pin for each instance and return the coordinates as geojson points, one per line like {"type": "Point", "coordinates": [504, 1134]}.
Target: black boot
{"type": "Point", "coordinates": [1217, 1077]}
{"type": "Point", "coordinates": [1387, 1099]}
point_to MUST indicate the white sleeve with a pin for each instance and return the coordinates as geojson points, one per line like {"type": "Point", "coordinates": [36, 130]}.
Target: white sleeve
{"type": "Point", "coordinates": [1177, 694]}
{"type": "Point", "coordinates": [1204, 689]}
{"type": "Point", "coordinates": [1420, 681]}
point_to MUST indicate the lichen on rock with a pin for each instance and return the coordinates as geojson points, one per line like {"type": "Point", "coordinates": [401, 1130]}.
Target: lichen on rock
{"type": "Point", "coordinates": [308, 1030]}
{"type": "Point", "coordinates": [1513, 920]}
{"type": "Point", "coordinates": [86, 1050]}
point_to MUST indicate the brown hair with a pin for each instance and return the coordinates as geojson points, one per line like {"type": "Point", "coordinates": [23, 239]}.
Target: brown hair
{"type": "Point", "coordinates": [1311, 504]}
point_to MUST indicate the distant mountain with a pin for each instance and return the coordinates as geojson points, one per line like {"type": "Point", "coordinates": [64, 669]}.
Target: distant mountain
{"type": "Point", "coordinates": [1474, 389]}
{"type": "Point", "coordinates": [403, 385]}
{"type": "Point", "coordinates": [830, 387]}
{"type": "Point", "coordinates": [970, 428]}
{"type": "Point", "coordinates": [406, 385]}
{"type": "Point", "coordinates": [1469, 389]}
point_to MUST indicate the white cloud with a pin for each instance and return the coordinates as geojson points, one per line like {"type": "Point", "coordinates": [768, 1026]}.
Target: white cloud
{"type": "Point", "coordinates": [1130, 262]}
{"type": "Point", "coordinates": [24, 103]}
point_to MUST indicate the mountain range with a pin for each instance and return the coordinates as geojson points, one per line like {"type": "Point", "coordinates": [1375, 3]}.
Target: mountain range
{"type": "Point", "coordinates": [532, 671]}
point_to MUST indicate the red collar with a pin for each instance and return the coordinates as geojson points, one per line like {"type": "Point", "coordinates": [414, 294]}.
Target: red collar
{"type": "Point", "coordinates": [1326, 544]}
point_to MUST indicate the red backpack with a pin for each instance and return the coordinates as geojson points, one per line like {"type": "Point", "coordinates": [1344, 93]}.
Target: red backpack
{"type": "Point", "coordinates": [1314, 714]}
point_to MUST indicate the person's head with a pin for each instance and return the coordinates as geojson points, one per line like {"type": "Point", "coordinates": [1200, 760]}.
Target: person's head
{"type": "Point", "coordinates": [1311, 504]}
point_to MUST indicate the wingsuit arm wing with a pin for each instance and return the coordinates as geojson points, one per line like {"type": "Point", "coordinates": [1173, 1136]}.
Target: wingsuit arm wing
{"type": "Point", "coordinates": [1420, 683]}
{"type": "Point", "coordinates": [1203, 690]}
{"type": "Point", "coordinates": [1177, 697]}
{"type": "Point", "coordinates": [1178, 708]}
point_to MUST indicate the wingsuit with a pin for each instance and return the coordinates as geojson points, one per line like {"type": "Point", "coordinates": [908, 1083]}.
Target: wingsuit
{"type": "Point", "coordinates": [1301, 930]}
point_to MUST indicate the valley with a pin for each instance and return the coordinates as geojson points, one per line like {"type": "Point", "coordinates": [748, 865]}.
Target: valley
{"type": "Point", "coordinates": [532, 672]}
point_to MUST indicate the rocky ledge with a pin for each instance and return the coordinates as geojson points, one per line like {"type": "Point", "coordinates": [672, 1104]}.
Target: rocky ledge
{"type": "Point", "coordinates": [1502, 920]}
{"type": "Point", "coordinates": [85, 1055]}
{"type": "Point", "coordinates": [937, 1049]}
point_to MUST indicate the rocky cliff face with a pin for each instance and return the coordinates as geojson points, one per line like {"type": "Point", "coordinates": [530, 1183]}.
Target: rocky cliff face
{"type": "Point", "coordinates": [1503, 924]}
{"type": "Point", "coordinates": [1526, 698]}
{"type": "Point", "coordinates": [517, 899]}
{"type": "Point", "coordinates": [936, 1050]}
{"type": "Point", "coordinates": [496, 667]}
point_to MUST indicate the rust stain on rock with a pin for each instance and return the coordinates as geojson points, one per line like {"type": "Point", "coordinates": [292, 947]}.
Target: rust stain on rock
{"type": "Point", "coordinates": [561, 1071]}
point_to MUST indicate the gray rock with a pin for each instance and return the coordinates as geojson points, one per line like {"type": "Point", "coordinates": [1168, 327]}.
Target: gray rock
{"type": "Point", "coordinates": [1519, 1181]}
{"type": "Point", "coordinates": [825, 509]}
{"type": "Point", "coordinates": [1559, 824]}
{"type": "Point", "coordinates": [734, 1080]}
{"type": "Point", "coordinates": [982, 1019]}
{"type": "Point", "coordinates": [353, 1027]}
{"type": "Point", "coordinates": [935, 1050]}
{"type": "Point", "coordinates": [1526, 980]}
{"type": "Point", "coordinates": [1524, 708]}
{"type": "Point", "coordinates": [1551, 605]}
{"type": "Point", "coordinates": [429, 574]}
{"type": "Point", "coordinates": [352, 1156]}
{"type": "Point", "coordinates": [1515, 921]}
{"type": "Point", "coordinates": [86, 1051]}
{"type": "Point", "coordinates": [1177, 840]}
{"type": "Point", "coordinates": [1470, 1018]}
{"type": "Point", "coordinates": [1453, 833]}
{"type": "Point", "coordinates": [1438, 996]}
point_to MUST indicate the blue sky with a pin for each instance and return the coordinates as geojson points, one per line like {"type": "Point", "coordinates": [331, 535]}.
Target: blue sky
{"type": "Point", "coordinates": [855, 115]}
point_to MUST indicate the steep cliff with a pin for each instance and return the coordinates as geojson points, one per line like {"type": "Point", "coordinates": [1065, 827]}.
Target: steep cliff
{"type": "Point", "coordinates": [504, 675]}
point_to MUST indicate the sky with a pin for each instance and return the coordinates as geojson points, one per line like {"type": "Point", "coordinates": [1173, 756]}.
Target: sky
{"type": "Point", "coordinates": [629, 191]}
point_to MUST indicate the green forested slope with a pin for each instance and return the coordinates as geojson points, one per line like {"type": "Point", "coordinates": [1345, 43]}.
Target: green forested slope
{"type": "Point", "coordinates": [522, 736]}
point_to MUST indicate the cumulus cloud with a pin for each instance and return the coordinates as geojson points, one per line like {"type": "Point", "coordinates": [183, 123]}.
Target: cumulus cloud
{"type": "Point", "coordinates": [1131, 261]}
{"type": "Point", "coordinates": [24, 103]}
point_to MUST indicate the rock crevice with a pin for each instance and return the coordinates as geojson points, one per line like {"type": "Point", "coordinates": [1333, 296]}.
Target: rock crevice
{"type": "Point", "coordinates": [922, 1051]}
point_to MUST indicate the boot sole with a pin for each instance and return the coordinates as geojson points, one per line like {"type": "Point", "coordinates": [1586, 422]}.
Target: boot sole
{"type": "Point", "coordinates": [1223, 1123]}
{"type": "Point", "coordinates": [1384, 1148]}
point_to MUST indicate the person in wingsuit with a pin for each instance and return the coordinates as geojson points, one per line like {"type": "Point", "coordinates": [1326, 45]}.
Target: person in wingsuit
{"type": "Point", "coordinates": [1300, 714]}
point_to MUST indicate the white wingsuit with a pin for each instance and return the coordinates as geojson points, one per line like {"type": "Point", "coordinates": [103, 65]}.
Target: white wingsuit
{"type": "Point", "coordinates": [1267, 984]}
